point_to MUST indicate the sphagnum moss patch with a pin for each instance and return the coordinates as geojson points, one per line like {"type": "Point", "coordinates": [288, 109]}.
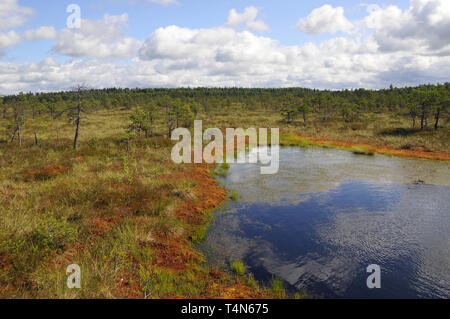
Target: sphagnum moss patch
{"type": "Point", "coordinates": [130, 220]}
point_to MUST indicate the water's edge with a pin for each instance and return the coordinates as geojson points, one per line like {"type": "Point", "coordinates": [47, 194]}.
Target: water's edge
{"type": "Point", "coordinates": [327, 182]}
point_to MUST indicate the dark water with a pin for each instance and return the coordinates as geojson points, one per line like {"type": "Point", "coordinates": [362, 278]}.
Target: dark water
{"type": "Point", "coordinates": [329, 214]}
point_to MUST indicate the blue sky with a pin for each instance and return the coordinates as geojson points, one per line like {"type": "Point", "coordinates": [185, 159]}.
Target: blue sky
{"type": "Point", "coordinates": [324, 44]}
{"type": "Point", "coordinates": [145, 17]}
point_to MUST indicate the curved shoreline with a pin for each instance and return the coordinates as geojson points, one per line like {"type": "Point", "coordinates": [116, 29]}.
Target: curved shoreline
{"type": "Point", "coordinates": [295, 139]}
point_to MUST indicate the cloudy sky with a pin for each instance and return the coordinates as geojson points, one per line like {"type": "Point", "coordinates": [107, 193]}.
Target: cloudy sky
{"type": "Point", "coordinates": [247, 43]}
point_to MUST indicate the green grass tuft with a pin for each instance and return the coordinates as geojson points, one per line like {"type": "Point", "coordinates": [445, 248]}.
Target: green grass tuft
{"type": "Point", "coordinates": [277, 287]}
{"type": "Point", "coordinates": [234, 196]}
{"type": "Point", "coordinates": [222, 170]}
{"type": "Point", "coordinates": [238, 267]}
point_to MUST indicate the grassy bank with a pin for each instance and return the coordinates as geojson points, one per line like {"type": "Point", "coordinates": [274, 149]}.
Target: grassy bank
{"type": "Point", "coordinates": [359, 148]}
{"type": "Point", "coordinates": [388, 134]}
{"type": "Point", "coordinates": [130, 220]}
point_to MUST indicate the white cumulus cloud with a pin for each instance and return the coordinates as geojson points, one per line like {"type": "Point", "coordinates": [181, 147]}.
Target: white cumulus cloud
{"type": "Point", "coordinates": [425, 26]}
{"type": "Point", "coordinates": [102, 38]}
{"type": "Point", "coordinates": [325, 19]}
{"type": "Point", "coordinates": [12, 14]}
{"type": "Point", "coordinates": [248, 17]}
{"type": "Point", "coordinates": [8, 39]}
{"type": "Point", "coordinates": [44, 32]}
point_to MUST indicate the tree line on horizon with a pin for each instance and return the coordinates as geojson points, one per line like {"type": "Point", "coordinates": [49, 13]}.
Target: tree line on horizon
{"type": "Point", "coordinates": [181, 106]}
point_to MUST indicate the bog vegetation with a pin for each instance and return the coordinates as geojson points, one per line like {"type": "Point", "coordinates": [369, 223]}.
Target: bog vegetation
{"type": "Point", "coordinates": [86, 178]}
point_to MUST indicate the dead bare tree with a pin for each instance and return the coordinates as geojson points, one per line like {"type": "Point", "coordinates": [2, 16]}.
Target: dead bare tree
{"type": "Point", "coordinates": [5, 106]}
{"type": "Point", "coordinates": [75, 113]}
{"type": "Point", "coordinates": [36, 142]}
{"type": "Point", "coordinates": [18, 120]}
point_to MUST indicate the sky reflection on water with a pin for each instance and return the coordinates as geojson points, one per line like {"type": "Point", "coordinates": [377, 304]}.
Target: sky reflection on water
{"type": "Point", "coordinates": [329, 214]}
